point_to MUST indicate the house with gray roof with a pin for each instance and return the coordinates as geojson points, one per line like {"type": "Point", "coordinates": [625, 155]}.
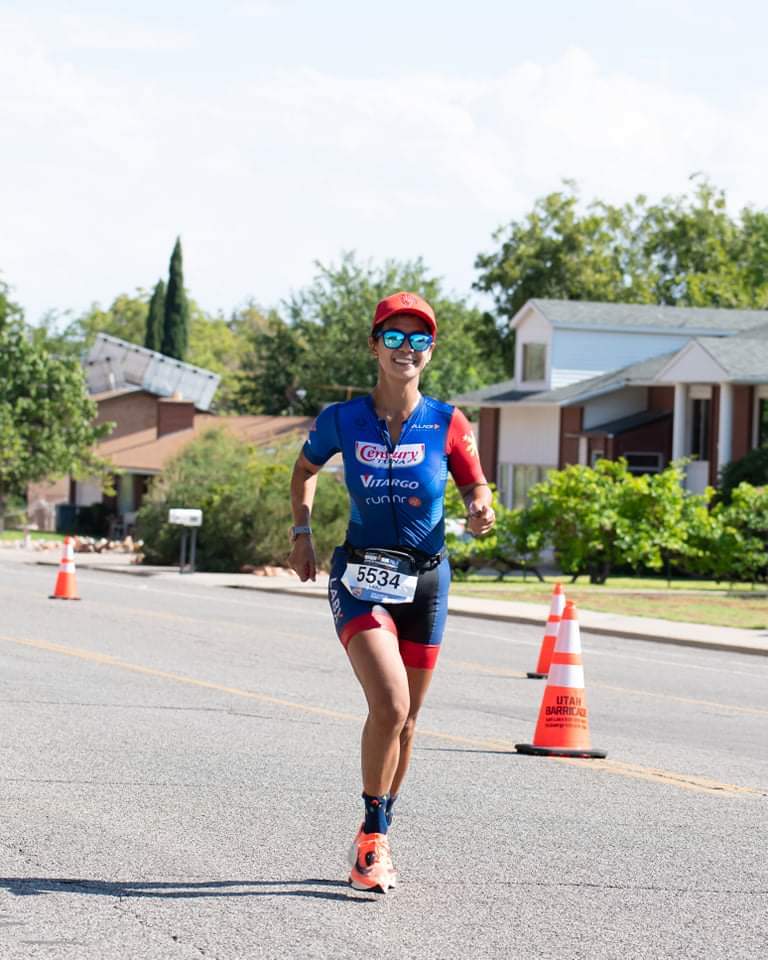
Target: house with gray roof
{"type": "Point", "coordinates": [649, 383]}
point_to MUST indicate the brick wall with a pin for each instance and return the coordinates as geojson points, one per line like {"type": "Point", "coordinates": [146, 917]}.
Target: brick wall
{"type": "Point", "coordinates": [571, 419]}
{"type": "Point", "coordinates": [132, 412]}
{"type": "Point", "coordinates": [488, 441]}
{"type": "Point", "coordinates": [174, 415]}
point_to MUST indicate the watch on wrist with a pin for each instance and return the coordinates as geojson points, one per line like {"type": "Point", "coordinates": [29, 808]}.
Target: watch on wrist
{"type": "Point", "coordinates": [296, 531]}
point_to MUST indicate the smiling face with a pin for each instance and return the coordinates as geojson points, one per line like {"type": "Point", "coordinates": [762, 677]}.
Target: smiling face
{"type": "Point", "coordinates": [403, 363]}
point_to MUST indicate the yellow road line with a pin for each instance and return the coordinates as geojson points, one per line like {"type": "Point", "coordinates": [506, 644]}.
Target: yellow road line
{"type": "Point", "coordinates": [635, 771]}
{"type": "Point", "coordinates": [473, 667]}
{"type": "Point", "coordinates": [683, 780]}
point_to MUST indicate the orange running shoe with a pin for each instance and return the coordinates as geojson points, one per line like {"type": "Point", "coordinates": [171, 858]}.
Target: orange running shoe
{"type": "Point", "coordinates": [352, 852]}
{"type": "Point", "coordinates": [372, 869]}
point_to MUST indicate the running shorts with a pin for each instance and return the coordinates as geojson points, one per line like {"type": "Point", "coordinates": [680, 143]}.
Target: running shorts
{"type": "Point", "coordinates": [418, 625]}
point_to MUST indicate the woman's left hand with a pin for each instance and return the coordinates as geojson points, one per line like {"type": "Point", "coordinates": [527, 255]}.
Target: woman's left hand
{"type": "Point", "coordinates": [481, 519]}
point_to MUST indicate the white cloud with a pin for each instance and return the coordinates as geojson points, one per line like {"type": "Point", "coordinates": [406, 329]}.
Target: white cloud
{"type": "Point", "coordinates": [262, 177]}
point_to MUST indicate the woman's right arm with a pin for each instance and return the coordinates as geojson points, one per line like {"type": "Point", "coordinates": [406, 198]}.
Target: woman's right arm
{"type": "Point", "coordinates": [303, 484]}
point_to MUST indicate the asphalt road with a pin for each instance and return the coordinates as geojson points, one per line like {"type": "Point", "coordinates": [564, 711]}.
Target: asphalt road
{"type": "Point", "coordinates": [179, 778]}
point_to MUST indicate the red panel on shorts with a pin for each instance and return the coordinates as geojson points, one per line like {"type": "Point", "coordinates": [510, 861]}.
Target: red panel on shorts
{"type": "Point", "coordinates": [420, 655]}
{"type": "Point", "coordinates": [374, 620]}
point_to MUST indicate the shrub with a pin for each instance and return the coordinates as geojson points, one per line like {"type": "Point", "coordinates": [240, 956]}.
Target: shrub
{"type": "Point", "coordinates": [598, 518]}
{"type": "Point", "coordinates": [751, 468]}
{"type": "Point", "coordinates": [740, 541]}
{"type": "Point", "coordinates": [243, 492]}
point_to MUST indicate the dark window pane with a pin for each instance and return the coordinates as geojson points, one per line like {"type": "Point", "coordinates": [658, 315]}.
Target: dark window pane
{"type": "Point", "coordinates": [644, 462]}
{"type": "Point", "coordinates": [700, 438]}
{"type": "Point", "coordinates": [762, 424]}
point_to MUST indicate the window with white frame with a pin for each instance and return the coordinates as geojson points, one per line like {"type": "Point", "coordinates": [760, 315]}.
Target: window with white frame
{"type": "Point", "coordinates": [534, 361]}
{"type": "Point", "coordinates": [514, 481]}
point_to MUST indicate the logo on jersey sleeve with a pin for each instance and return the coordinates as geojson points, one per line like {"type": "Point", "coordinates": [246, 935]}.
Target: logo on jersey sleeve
{"type": "Point", "coordinates": [377, 455]}
{"type": "Point", "coordinates": [471, 444]}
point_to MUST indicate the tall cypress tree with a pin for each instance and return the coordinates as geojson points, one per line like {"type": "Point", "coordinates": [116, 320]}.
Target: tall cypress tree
{"type": "Point", "coordinates": [153, 338]}
{"type": "Point", "coordinates": [176, 316]}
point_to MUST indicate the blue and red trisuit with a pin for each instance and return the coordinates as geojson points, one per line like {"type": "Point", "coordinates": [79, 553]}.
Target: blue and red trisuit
{"type": "Point", "coordinates": [397, 494]}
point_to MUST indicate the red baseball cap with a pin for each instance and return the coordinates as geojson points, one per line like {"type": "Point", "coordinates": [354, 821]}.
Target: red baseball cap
{"type": "Point", "coordinates": [405, 302]}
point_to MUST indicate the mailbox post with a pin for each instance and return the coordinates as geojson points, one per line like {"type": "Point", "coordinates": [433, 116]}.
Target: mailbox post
{"type": "Point", "coordinates": [189, 520]}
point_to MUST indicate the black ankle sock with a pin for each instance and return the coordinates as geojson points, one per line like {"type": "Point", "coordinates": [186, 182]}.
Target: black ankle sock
{"type": "Point", "coordinates": [389, 813]}
{"type": "Point", "coordinates": [375, 814]}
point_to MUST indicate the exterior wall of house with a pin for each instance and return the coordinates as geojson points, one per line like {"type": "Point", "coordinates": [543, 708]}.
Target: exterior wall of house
{"type": "Point", "coordinates": [613, 406]}
{"type": "Point", "coordinates": [488, 441]}
{"type": "Point", "coordinates": [529, 435]}
{"type": "Point", "coordinates": [661, 398]}
{"type": "Point", "coordinates": [572, 449]}
{"type": "Point", "coordinates": [173, 415]}
{"type": "Point", "coordinates": [580, 354]}
{"type": "Point", "coordinates": [532, 328]}
{"type": "Point", "coordinates": [694, 365]}
{"type": "Point", "coordinates": [528, 449]}
{"type": "Point", "coordinates": [651, 438]}
{"type": "Point", "coordinates": [131, 412]}
{"type": "Point", "coordinates": [743, 408]}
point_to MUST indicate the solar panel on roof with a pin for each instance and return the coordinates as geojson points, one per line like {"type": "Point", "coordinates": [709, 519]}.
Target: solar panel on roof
{"type": "Point", "coordinates": [113, 363]}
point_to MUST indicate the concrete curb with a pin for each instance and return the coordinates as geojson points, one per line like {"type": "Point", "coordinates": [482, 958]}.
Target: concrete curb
{"type": "Point", "coordinates": [537, 620]}
{"type": "Point", "coordinates": [479, 610]}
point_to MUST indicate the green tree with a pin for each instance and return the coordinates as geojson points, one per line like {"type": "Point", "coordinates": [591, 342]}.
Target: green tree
{"type": "Point", "coordinates": [320, 346]}
{"type": "Point", "coordinates": [46, 415]}
{"type": "Point", "coordinates": [701, 255]}
{"type": "Point", "coordinates": [577, 511]}
{"type": "Point", "coordinates": [560, 251]}
{"type": "Point", "coordinates": [271, 370]}
{"type": "Point", "coordinates": [685, 250]}
{"type": "Point", "coordinates": [153, 336]}
{"type": "Point", "coordinates": [740, 546]}
{"type": "Point", "coordinates": [176, 319]}
{"type": "Point", "coordinates": [241, 490]}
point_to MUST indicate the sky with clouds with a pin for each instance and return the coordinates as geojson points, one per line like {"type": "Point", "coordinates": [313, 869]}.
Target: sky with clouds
{"type": "Point", "coordinates": [274, 133]}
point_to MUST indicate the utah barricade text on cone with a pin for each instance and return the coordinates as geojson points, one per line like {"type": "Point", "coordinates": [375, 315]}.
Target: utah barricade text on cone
{"type": "Point", "coordinates": [66, 583]}
{"type": "Point", "coordinates": [563, 726]}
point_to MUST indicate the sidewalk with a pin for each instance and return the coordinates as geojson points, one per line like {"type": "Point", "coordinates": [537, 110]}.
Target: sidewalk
{"type": "Point", "coordinates": [631, 628]}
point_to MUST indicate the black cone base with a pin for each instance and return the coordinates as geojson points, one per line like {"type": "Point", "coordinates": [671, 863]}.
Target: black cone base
{"type": "Point", "coordinates": [537, 676]}
{"type": "Point", "coordinates": [533, 751]}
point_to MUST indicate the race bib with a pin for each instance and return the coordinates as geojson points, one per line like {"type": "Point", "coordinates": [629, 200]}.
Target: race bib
{"type": "Point", "coordinates": [381, 578]}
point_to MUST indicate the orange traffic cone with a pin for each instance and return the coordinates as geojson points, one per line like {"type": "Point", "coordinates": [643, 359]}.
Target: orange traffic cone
{"type": "Point", "coordinates": [556, 607]}
{"type": "Point", "coordinates": [66, 584]}
{"type": "Point", "coordinates": [563, 727]}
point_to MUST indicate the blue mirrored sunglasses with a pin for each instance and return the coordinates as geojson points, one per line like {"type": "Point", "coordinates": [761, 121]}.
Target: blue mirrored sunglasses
{"type": "Point", "coordinates": [393, 339]}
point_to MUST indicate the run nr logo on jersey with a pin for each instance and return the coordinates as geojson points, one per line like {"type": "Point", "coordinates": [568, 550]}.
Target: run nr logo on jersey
{"type": "Point", "coordinates": [377, 455]}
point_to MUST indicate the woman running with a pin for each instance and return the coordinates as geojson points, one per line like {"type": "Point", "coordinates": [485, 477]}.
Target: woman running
{"type": "Point", "coordinates": [388, 586]}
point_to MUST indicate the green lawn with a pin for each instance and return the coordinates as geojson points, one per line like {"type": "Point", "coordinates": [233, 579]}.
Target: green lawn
{"type": "Point", "coordinates": [707, 602]}
{"type": "Point", "coordinates": [34, 534]}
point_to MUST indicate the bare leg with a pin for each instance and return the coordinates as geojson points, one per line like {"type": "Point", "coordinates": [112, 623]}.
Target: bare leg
{"type": "Point", "coordinates": [376, 660]}
{"type": "Point", "coordinates": [418, 684]}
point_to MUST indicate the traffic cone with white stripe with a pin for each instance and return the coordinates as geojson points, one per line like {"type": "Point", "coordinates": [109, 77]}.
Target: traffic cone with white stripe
{"type": "Point", "coordinates": [66, 584]}
{"type": "Point", "coordinates": [556, 607]}
{"type": "Point", "coordinates": [563, 727]}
